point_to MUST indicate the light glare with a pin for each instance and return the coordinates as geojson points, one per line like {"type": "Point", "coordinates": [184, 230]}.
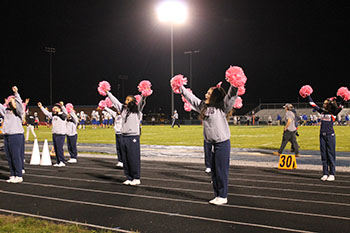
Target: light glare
{"type": "Point", "coordinates": [172, 11]}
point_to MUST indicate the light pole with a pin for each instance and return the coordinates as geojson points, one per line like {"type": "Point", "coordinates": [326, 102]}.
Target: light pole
{"type": "Point", "coordinates": [51, 51]}
{"type": "Point", "coordinates": [172, 12]}
{"type": "Point", "coordinates": [190, 53]}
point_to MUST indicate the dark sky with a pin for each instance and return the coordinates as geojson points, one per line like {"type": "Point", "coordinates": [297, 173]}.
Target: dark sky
{"type": "Point", "coordinates": [280, 44]}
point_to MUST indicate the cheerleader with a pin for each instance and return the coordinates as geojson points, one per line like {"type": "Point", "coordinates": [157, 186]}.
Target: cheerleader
{"type": "Point", "coordinates": [329, 112]}
{"type": "Point", "coordinates": [13, 135]}
{"type": "Point", "coordinates": [72, 134]}
{"type": "Point", "coordinates": [131, 114]}
{"type": "Point", "coordinates": [93, 119]}
{"type": "Point", "coordinates": [59, 129]}
{"type": "Point", "coordinates": [213, 111]}
{"type": "Point", "coordinates": [118, 134]}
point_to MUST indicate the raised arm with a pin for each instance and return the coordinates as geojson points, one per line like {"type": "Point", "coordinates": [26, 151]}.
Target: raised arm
{"type": "Point", "coordinates": [19, 106]}
{"type": "Point", "coordinates": [74, 117]}
{"type": "Point", "coordinates": [314, 105]}
{"type": "Point", "coordinates": [110, 111]}
{"type": "Point", "coordinates": [47, 113]}
{"type": "Point", "coordinates": [192, 99]}
{"type": "Point", "coordinates": [230, 99]}
{"type": "Point", "coordinates": [115, 101]}
{"type": "Point", "coordinates": [142, 103]}
{"type": "Point", "coordinates": [64, 110]}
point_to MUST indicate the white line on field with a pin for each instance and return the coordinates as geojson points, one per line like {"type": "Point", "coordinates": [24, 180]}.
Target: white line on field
{"type": "Point", "coordinates": [154, 212]}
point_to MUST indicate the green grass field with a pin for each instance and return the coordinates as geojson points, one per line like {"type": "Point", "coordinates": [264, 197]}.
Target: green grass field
{"type": "Point", "coordinates": [263, 137]}
{"type": "Point", "coordinates": [9, 223]}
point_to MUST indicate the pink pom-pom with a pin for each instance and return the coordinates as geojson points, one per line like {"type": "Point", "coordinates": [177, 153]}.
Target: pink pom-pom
{"type": "Point", "coordinates": [176, 82]}
{"type": "Point", "coordinates": [235, 76]}
{"type": "Point", "coordinates": [138, 98]}
{"type": "Point", "coordinates": [187, 107]}
{"type": "Point", "coordinates": [305, 91]}
{"type": "Point", "coordinates": [69, 107]}
{"type": "Point", "coordinates": [108, 102]}
{"type": "Point", "coordinates": [102, 104]}
{"type": "Point", "coordinates": [145, 88]}
{"type": "Point", "coordinates": [8, 99]}
{"type": "Point", "coordinates": [238, 103]}
{"type": "Point", "coordinates": [241, 91]}
{"type": "Point", "coordinates": [103, 86]}
{"type": "Point", "coordinates": [344, 93]}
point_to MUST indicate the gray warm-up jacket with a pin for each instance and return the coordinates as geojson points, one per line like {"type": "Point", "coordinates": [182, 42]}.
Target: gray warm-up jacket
{"type": "Point", "coordinates": [59, 121]}
{"type": "Point", "coordinates": [72, 124]}
{"type": "Point", "coordinates": [215, 127]}
{"type": "Point", "coordinates": [13, 120]}
{"type": "Point", "coordinates": [131, 121]}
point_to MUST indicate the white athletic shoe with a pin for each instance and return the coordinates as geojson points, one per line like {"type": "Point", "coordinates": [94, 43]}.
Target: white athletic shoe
{"type": "Point", "coordinates": [11, 178]}
{"type": "Point", "coordinates": [219, 201]}
{"type": "Point", "coordinates": [72, 160]}
{"type": "Point", "coordinates": [207, 170]}
{"type": "Point", "coordinates": [17, 179]}
{"type": "Point", "coordinates": [213, 201]}
{"type": "Point", "coordinates": [127, 182]}
{"type": "Point", "coordinates": [23, 171]}
{"type": "Point", "coordinates": [61, 164]}
{"type": "Point", "coordinates": [331, 178]}
{"type": "Point", "coordinates": [135, 182]}
{"type": "Point", "coordinates": [324, 177]}
{"type": "Point", "coordinates": [119, 164]}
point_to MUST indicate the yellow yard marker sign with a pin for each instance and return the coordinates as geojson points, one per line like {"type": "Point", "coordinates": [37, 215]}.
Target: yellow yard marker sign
{"type": "Point", "coordinates": [287, 162]}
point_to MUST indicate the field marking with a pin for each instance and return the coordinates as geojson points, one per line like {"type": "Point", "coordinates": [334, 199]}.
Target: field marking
{"type": "Point", "coordinates": [231, 179]}
{"type": "Point", "coordinates": [64, 221]}
{"type": "Point", "coordinates": [300, 172]}
{"type": "Point", "coordinates": [182, 200]}
{"type": "Point", "coordinates": [239, 186]}
{"type": "Point", "coordinates": [198, 191]}
{"type": "Point", "coordinates": [155, 212]}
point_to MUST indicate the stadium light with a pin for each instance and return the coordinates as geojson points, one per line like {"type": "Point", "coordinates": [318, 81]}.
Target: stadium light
{"type": "Point", "coordinates": [172, 12]}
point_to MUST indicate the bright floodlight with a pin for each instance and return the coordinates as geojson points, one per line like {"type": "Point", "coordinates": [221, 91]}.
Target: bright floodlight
{"type": "Point", "coordinates": [172, 11]}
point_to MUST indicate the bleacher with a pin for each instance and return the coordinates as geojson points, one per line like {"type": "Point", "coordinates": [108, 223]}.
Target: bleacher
{"type": "Point", "coordinates": [263, 111]}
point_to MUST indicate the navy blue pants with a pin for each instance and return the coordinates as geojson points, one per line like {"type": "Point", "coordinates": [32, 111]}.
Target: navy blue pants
{"type": "Point", "coordinates": [13, 149]}
{"type": "Point", "coordinates": [72, 146]}
{"type": "Point", "coordinates": [58, 142]}
{"type": "Point", "coordinates": [220, 168]}
{"type": "Point", "coordinates": [130, 146]}
{"type": "Point", "coordinates": [22, 151]}
{"type": "Point", "coordinates": [118, 138]}
{"type": "Point", "coordinates": [208, 153]}
{"type": "Point", "coordinates": [327, 148]}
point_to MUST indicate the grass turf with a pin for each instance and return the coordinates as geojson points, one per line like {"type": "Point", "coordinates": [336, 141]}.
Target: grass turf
{"type": "Point", "coordinates": [264, 137]}
{"type": "Point", "coordinates": [10, 223]}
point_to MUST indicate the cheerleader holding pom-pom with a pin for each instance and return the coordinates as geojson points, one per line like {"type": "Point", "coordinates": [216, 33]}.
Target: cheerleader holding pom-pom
{"type": "Point", "coordinates": [213, 111]}
{"type": "Point", "coordinates": [12, 112]}
{"type": "Point", "coordinates": [131, 113]}
{"type": "Point", "coordinates": [329, 112]}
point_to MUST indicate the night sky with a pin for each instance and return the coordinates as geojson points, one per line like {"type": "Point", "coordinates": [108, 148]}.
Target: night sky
{"type": "Point", "coordinates": [280, 44]}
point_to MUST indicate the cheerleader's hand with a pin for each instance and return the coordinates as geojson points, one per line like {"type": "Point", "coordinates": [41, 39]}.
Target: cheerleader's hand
{"type": "Point", "coordinates": [40, 104]}
{"type": "Point", "coordinates": [14, 89]}
{"type": "Point", "coordinates": [61, 103]}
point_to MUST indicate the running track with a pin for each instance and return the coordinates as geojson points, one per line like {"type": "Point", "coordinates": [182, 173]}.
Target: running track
{"type": "Point", "coordinates": [174, 197]}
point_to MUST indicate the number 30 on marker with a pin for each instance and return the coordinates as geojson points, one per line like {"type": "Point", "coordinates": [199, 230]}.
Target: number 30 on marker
{"type": "Point", "coordinates": [287, 162]}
